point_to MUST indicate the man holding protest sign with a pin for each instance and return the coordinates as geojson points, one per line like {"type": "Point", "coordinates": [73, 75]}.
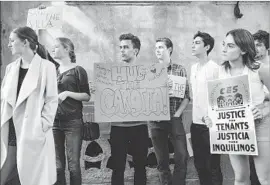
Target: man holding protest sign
{"type": "Point", "coordinates": [134, 133]}
{"type": "Point", "coordinates": [160, 130]}
{"type": "Point", "coordinates": [207, 165]}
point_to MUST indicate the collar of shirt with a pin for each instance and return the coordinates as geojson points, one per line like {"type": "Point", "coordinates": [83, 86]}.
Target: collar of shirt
{"type": "Point", "coordinates": [169, 67]}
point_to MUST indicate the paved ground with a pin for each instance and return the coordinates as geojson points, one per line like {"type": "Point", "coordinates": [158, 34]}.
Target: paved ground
{"type": "Point", "coordinates": [102, 175]}
{"type": "Point", "coordinates": [98, 177]}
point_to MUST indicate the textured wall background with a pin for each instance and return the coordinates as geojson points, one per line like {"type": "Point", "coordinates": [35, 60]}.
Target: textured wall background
{"type": "Point", "coordinates": [95, 28]}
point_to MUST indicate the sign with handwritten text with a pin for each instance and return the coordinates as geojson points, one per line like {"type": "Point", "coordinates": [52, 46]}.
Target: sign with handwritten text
{"type": "Point", "coordinates": [50, 17]}
{"type": "Point", "coordinates": [179, 86]}
{"type": "Point", "coordinates": [131, 92]}
{"type": "Point", "coordinates": [229, 105]}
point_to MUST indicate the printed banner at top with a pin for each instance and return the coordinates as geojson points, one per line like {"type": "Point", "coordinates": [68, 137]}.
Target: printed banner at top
{"type": "Point", "coordinates": [50, 17]}
{"type": "Point", "coordinates": [179, 86]}
{"type": "Point", "coordinates": [229, 106]}
{"type": "Point", "coordinates": [131, 92]}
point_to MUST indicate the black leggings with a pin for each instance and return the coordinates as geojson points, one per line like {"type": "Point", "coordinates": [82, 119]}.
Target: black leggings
{"type": "Point", "coordinates": [11, 134]}
{"type": "Point", "coordinates": [9, 172]}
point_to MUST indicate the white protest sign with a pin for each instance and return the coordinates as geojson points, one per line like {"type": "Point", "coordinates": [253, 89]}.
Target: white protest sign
{"type": "Point", "coordinates": [131, 92]}
{"type": "Point", "coordinates": [233, 130]}
{"type": "Point", "coordinates": [50, 17]}
{"type": "Point", "coordinates": [179, 86]}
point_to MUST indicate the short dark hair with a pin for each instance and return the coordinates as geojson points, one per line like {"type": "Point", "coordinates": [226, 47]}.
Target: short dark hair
{"type": "Point", "coordinates": [67, 43]}
{"type": "Point", "coordinates": [207, 40]}
{"type": "Point", "coordinates": [167, 42]}
{"type": "Point", "coordinates": [262, 36]}
{"type": "Point", "coordinates": [134, 40]}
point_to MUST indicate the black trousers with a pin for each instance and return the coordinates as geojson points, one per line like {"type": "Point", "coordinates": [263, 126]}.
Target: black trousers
{"type": "Point", "coordinates": [206, 164]}
{"type": "Point", "coordinates": [253, 175]}
{"type": "Point", "coordinates": [121, 139]}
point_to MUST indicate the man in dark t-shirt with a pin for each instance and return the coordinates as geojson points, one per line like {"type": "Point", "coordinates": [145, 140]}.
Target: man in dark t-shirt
{"type": "Point", "coordinates": [124, 134]}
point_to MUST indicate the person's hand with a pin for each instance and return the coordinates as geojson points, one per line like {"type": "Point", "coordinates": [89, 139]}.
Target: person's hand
{"type": "Point", "coordinates": [177, 114]}
{"type": "Point", "coordinates": [170, 93]}
{"type": "Point", "coordinates": [42, 6]}
{"type": "Point", "coordinates": [169, 83]}
{"type": "Point", "coordinates": [62, 96]}
{"type": "Point", "coordinates": [257, 113]}
{"type": "Point", "coordinates": [207, 120]}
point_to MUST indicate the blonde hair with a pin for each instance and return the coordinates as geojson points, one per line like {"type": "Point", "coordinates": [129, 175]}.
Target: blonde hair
{"type": "Point", "coordinates": [67, 43]}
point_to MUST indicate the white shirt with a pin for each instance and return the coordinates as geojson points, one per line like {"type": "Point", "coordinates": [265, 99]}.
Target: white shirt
{"type": "Point", "coordinates": [198, 80]}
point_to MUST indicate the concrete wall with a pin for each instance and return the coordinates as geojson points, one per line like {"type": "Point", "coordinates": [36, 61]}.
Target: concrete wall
{"type": "Point", "coordinates": [95, 28]}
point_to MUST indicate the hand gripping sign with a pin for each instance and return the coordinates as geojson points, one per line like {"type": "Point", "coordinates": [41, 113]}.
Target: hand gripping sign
{"type": "Point", "coordinates": [179, 86]}
{"type": "Point", "coordinates": [233, 130]}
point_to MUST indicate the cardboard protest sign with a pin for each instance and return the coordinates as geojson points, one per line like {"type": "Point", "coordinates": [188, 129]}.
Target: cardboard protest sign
{"type": "Point", "coordinates": [179, 86]}
{"type": "Point", "coordinates": [50, 17]}
{"type": "Point", "coordinates": [131, 92]}
{"type": "Point", "coordinates": [233, 130]}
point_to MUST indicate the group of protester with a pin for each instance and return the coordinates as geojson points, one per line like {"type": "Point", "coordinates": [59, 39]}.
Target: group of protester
{"type": "Point", "coordinates": [41, 112]}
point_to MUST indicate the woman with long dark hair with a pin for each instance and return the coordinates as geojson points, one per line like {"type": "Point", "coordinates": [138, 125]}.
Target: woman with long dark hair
{"type": "Point", "coordinates": [73, 88]}
{"type": "Point", "coordinates": [239, 53]}
{"type": "Point", "coordinates": [28, 107]}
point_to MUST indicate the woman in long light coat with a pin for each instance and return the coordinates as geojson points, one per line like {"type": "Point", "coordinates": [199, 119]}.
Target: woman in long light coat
{"type": "Point", "coordinates": [29, 102]}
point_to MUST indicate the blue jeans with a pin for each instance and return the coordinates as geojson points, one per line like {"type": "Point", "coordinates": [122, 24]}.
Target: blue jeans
{"type": "Point", "coordinates": [160, 132]}
{"type": "Point", "coordinates": [68, 138]}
